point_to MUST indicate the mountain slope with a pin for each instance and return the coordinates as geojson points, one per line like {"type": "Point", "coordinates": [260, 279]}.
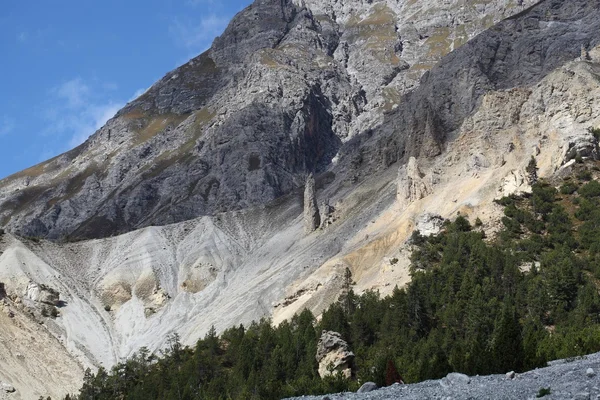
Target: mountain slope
{"type": "Point", "coordinates": [517, 89]}
{"type": "Point", "coordinates": [274, 99]}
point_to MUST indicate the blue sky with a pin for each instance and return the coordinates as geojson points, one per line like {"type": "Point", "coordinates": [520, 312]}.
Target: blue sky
{"type": "Point", "coordinates": [67, 66]}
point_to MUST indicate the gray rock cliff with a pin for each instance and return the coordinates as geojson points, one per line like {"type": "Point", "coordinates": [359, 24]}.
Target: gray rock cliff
{"type": "Point", "coordinates": [286, 88]}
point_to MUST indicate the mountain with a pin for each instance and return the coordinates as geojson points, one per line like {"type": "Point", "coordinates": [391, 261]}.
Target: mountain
{"type": "Point", "coordinates": [275, 98]}
{"type": "Point", "coordinates": [185, 210]}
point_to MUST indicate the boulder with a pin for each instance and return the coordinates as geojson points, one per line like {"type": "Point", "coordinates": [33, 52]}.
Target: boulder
{"type": "Point", "coordinates": [7, 388]}
{"type": "Point", "coordinates": [582, 396]}
{"type": "Point", "coordinates": [367, 387]}
{"type": "Point", "coordinates": [590, 373]}
{"type": "Point", "coordinates": [333, 355]}
{"type": "Point", "coordinates": [42, 294]}
{"type": "Point", "coordinates": [429, 224]}
{"type": "Point", "coordinates": [455, 379]}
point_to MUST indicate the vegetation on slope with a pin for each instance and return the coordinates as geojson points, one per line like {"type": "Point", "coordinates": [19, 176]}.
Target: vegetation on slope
{"type": "Point", "coordinates": [474, 305]}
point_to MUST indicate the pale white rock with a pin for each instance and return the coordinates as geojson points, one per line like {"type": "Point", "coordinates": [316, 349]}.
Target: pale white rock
{"type": "Point", "coordinates": [412, 183]}
{"type": "Point", "coordinates": [429, 224]}
{"type": "Point", "coordinates": [6, 387]}
{"type": "Point", "coordinates": [42, 294]}
{"type": "Point", "coordinates": [333, 355]}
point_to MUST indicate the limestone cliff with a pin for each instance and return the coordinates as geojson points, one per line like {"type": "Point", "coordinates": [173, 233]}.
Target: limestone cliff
{"type": "Point", "coordinates": [276, 97]}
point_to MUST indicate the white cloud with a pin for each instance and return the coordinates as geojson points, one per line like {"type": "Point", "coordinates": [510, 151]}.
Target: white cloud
{"type": "Point", "coordinates": [74, 92]}
{"type": "Point", "coordinates": [198, 36]}
{"type": "Point", "coordinates": [77, 112]}
{"type": "Point", "coordinates": [110, 86]}
{"type": "Point", "coordinates": [6, 125]}
{"type": "Point", "coordinates": [93, 118]}
{"type": "Point", "coordinates": [137, 94]}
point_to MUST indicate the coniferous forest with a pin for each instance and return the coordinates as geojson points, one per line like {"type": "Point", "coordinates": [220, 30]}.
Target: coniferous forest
{"type": "Point", "coordinates": [475, 305]}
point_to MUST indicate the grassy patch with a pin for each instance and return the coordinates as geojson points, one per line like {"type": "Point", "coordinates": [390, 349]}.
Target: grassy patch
{"type": "Point", "coordinates": [156, 125]}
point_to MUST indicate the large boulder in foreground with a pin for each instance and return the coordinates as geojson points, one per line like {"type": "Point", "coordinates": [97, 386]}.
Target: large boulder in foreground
{"type": "Point", "coordinates": [334, 355]}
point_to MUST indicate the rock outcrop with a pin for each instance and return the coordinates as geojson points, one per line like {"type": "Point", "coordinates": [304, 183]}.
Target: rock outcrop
{"type": "Point", "coordinates": [326, 214]}
{"type": "Point", "coordinates": [333, 355]}
{"type": "Point", "coordinates": [312, 217]}
{"type": "Point", "coordinates": [412, 183]}
{"type": "Point", "coordinates": [429, 224]}
{"type": "Point", "coordinates": [41, 293]}
{"type": "Point", "coordinates": [7, 388]}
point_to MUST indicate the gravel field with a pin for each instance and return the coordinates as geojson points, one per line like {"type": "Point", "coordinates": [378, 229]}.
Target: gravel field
{"type": "Point", "coordinates": [566, 379]}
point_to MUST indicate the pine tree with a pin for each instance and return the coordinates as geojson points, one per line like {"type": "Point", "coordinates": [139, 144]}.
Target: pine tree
{"type": "Point", "coordinates": [507, 342]}
{"type": "Point", "coordinates": [532, 170]}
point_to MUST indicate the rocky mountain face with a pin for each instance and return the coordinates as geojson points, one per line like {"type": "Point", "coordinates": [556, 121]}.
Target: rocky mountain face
{"type": "Point", "coordinates": [277, 97]}
{"type": "Point", "coordinates": [290, 161]}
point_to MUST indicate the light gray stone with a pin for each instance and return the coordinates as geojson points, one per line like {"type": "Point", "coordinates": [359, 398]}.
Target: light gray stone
{"type": "Point", "coordinates": [455, 378]}
{"type": "Point", "coordinates": [334, 355]}
{"type": "Point", "coordinates": [367, 387]}
{"type": "Point", "coordinates": [6, 387]}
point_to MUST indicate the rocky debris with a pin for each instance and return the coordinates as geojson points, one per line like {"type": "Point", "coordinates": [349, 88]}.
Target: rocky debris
{"type": "Point", "coordinates": [41, 293]}
{"type": "Point", "coordinates": [367, 387]}
{"type": "Point", "coordinates": [412, 184]}
{"type": "Point", "coordinates": [7, 388]}
{"type": "Point", "coordinates": [311, 211]}
{"type": "Point", "coordinates": [590, 373]}
{"type": "Point", "coordinates": [565, 378]}
{"type": "Point", "coordinates": [429, 224]}
{"type": "Point", "coordinates": [333, 355]}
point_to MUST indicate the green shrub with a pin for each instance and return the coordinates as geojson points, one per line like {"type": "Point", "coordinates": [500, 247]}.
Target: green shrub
{"type": "Point", "coordinates": [568, 188]}
{"type": "Point", "coordinates": [543, 392]}
{"type": "Point", "coordinates": [584, 175]}
{"type": "Point", "coordinates": [590, 189]}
